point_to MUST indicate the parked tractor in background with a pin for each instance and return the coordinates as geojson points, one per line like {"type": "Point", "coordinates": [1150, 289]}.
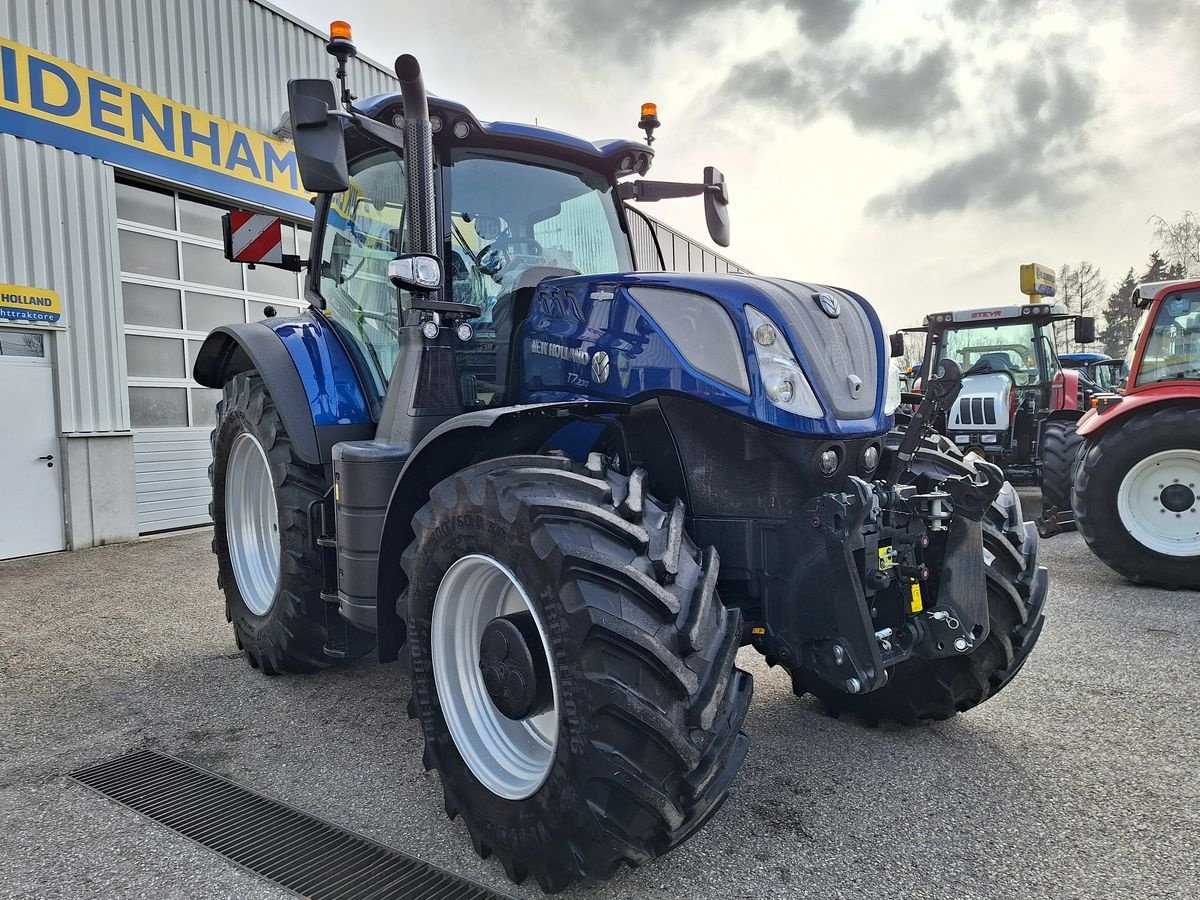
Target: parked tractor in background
{"type": "Point", "coordinates": [1018, 407]}
{"type": "Point", "coordinates": [570, 491]}
{"type": "Point", "coordinates": [1098, 372]}
{"type": "Point", "coordinates": [1137, 486]}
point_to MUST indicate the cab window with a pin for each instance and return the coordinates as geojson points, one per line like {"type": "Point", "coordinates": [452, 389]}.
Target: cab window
{"type": "Point", "coordinates": [363, 233]}
{"type": "Point", "coordinates": [1173, 344]}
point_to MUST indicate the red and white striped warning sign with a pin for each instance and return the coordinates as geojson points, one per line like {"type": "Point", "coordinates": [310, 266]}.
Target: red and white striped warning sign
{"type": "Point", "coordinates": [254, 238]}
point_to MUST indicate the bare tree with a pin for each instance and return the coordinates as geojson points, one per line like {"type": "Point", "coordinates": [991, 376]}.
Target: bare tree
{"type": "Point", "coordinates": [1081, 290]}
{"type": "Point", "coordinates": [1179, 242]}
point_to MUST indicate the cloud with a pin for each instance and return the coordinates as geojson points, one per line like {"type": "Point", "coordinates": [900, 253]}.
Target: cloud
{"type": "Point", "coordinates": [1041, 153]}
{"type": "Point", "coordinates": [771, 81]}
{"type": "Point", "coordinates": [896, 97]}
{"type": "Point", "coordinates": [824, 21]}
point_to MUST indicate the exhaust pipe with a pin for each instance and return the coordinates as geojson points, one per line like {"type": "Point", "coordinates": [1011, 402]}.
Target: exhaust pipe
{"type": "Point", "coordinates": [418, 157]}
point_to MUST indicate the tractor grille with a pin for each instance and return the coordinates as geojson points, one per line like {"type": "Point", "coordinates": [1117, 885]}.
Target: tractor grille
{"type": "Point", "coordinates": [736, 468]}
{"type": "Point", "coordinates": [295, 850]}
{"type": "Point", "coordinates": [977, 411]}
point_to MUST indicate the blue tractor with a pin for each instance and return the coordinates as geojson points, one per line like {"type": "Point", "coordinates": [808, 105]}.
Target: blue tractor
{"type": "Point", "coordinates": [568, 492]}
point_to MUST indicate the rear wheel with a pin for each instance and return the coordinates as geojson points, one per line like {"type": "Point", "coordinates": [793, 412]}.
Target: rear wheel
{"type": "Point", "coordinates": [1137, 497]}
{"type": "Point", "coordinates": [267, 564]}
{"type": "Point", "coordinates": [1059, 452]}
{"type": "Point", "coordinates": [572, 667]}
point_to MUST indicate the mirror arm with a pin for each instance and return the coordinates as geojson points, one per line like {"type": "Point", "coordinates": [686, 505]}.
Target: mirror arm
{"type": "Point", "coordinates": [653, 191]}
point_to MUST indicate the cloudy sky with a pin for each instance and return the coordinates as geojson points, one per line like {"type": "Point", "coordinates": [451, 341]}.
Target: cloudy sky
{"type": "Point", "coordinates": [917, 152]}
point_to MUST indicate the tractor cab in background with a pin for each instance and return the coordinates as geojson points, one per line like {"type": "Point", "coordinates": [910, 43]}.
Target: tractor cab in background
{"type": "Point", "coordinates": [1018, 405]}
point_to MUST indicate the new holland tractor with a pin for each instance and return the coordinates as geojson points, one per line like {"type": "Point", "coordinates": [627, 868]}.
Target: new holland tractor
{"type": "Point", "coordinates": [1018, 406]}
{"type": "Point", "coordinates": [568, 492]}
{"type": "Point", "coordinates": [1137, 484]}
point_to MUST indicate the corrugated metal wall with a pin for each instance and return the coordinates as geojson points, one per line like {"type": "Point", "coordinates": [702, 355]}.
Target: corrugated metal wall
{"type": "Point", "coordinates": [230, 58]}
{"type": "Point", "coordinates": [679, 252]}
{"type": "Point", "coordinates": [60, 233]}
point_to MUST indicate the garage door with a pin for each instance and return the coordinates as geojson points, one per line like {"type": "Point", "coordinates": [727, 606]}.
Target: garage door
{"type": "Point", "coordinates": [176, 287]}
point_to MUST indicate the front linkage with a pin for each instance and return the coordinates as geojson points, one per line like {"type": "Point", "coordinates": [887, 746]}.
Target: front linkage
{"type": "Point", "coordinates": [885, 572]}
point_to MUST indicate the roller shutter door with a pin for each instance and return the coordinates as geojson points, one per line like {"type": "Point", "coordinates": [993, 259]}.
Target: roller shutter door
{"type": "Point", "coordinates": [176, 287]}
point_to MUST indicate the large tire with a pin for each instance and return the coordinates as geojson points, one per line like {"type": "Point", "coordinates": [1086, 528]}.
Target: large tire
{"type": "Point", "coordinates": [922, 690]}
{"type": "Point", "coordinates": [1106, 463]}
{"type": "Point", "coordinates": [1059, 453]}
{"type": "Point", "coordinates": [281, 628]}
{"type": "Point", "coordinates": [650, 702]}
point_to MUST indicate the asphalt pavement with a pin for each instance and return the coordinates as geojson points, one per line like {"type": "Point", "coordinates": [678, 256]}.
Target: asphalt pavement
{"type": "Point", "coordinates": [1079, 780]}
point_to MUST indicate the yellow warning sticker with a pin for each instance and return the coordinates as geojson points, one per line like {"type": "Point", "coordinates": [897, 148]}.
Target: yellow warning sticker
{"type": "Point", "coordinates": [916, 604]}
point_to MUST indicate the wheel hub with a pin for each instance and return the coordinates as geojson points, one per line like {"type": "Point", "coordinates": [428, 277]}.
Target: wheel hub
{"type": "Point", "coordinates": [516, 678]}
{"type": "Point", "coordinates": [1157, 502]}
{"type": "Point", "coordinates": [1177, 497]}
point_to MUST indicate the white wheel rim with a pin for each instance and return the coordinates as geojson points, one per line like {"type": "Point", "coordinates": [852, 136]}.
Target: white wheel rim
{"type": "Point", "coordinates": [1159, 502]}
{"type": "Point", "coordinates": [252, 523]}
{"type": "Point", "coordinates": [510, 757]}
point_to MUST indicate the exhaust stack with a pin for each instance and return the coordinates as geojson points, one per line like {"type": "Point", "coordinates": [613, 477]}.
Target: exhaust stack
{"type": "Point", "coordinates": [418, 157]}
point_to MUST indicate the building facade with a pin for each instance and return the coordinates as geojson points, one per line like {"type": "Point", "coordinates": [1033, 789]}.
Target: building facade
{"type": "Point", "coordinates": [122, 142]}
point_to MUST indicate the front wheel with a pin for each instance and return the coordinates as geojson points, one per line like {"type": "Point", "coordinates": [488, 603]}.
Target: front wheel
{"type": "Point", "coordinates": [572, 667]}
{"type": "Point", "coordinates": [1137, 497]}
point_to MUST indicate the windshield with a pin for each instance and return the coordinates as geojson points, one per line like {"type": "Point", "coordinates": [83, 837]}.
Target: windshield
{"type": "Point", "coordinates": [362, 235]}
{"type": "Point", "coordinates": [1000, 348]}
{"type": "Point", "coordinates": [514, 221]}
{"type": "Point", "coordinates": [1173, 344]}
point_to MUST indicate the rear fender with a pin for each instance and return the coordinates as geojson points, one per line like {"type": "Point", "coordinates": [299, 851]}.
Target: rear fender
{"type": "Point", "coordinates": [306, 369]}
{"type": "Point", "coordinates": [462, 441]}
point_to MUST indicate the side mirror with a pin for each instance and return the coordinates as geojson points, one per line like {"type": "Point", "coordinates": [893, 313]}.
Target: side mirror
{"type": "Point", "coordinates": [317, 132]}
{"type": "Point", "coordinates": [1085, 329]}
{"type": "Point", "coordinates": [897, 344]}
{"type": "Point", "coordinates": [716, 205]}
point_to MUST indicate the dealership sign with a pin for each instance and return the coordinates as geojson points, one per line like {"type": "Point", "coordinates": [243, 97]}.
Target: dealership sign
{"type": "Point", "coordinates": [26, 304]}
{"type": "Point", "coordinates": [52, 101]}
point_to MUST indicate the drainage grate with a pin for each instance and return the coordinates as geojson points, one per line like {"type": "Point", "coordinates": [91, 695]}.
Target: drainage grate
{"type": "Point", "coordinates": [294, 849]}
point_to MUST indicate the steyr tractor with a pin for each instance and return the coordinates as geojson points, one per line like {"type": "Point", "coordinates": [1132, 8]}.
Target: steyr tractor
{"type": "Point", "coordinates": [568, 492]}
{"type": "Point", "coordinates": [1137, 484]}
{"type": "Point", "coordinates": [1018, 407]}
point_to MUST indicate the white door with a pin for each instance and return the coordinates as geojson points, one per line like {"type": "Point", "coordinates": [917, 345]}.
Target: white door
{"type": "Point", "coordinates": [31, 515]}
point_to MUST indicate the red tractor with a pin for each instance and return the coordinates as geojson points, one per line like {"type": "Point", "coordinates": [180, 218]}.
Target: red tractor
{"type": "Point", "coordinates": [1137, 482]}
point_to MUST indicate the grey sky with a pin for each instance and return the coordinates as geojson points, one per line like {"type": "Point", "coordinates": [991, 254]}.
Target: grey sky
{"type": "Point", "coordinates": [915, 151]}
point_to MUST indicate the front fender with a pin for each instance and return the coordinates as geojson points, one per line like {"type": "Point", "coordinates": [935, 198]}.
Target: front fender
{"type": "Point", "coordinates": [452, 446]}
{"type": "Point", "coordinates": [1094, 421]}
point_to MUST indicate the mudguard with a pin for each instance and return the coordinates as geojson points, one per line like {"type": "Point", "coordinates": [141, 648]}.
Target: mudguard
{"type": "Point", "coordinates": [453, 445]}
{"type": "Point", "coordinates": [307, 372]}
{"type": "Point", "coordinates": [1113, 407]}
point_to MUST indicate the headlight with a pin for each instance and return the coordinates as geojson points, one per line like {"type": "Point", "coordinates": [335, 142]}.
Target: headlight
{"type": "Point", "coordinates": [784, 382]}
{"type": "Point", "coordinates": [891, 400]}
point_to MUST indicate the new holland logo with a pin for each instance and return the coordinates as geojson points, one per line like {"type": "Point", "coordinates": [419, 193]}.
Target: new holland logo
{"type": "Point", "coordinates": [830, 305]}
{"type": "Point", "coordinates": [600, 367]}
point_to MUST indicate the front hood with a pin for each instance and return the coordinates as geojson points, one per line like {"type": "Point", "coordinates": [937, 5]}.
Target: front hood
{"type": "Point", "coordinates": [839, 345]}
